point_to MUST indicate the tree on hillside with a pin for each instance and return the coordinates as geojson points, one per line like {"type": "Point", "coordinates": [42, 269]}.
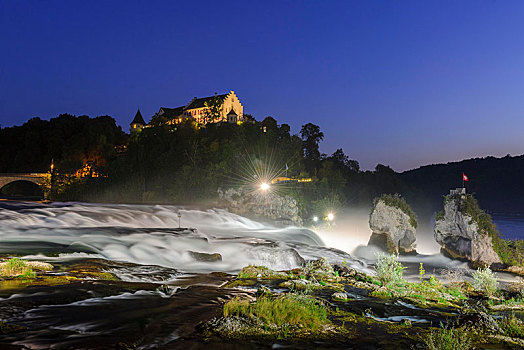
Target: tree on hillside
{"type": "Point", "coordinates": [213, 107]}
{"type": "Point", "coordinates": [311, 137]}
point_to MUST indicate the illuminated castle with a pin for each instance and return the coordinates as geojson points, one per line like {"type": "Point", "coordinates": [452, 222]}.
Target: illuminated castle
{"type": "Point", "coordinates": [224, 108]}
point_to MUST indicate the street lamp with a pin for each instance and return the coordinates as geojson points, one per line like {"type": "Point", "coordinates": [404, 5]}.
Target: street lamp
{"type": "Point", "coordinates": [264, 186]}
{"type": "Point", "coordinates": [315, 218]}
{"type": "Point", "coordinates": [330, 216]}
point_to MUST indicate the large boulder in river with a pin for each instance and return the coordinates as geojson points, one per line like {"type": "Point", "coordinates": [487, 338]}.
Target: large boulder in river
{"type": "Point", "coordinates": [464, 231]}
{"type": "Point", "coordinates": [393, 224]}
{"type": "Point", "coordinates": [253, 203]}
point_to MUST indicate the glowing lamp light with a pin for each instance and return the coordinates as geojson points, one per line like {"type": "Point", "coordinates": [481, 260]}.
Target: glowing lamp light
{"type": "Point", "coordinates": [315, 218]}
{"type": "Point", "coordinates": [330, 216]}
{"type": "Point", "coordinates": [264, 186]}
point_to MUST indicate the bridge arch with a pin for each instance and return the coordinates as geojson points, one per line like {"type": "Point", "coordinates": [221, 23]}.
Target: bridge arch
{"type": "Point", "coordinates": [21, 190]}
{"type": "Point", "coordinates": [6, 179]}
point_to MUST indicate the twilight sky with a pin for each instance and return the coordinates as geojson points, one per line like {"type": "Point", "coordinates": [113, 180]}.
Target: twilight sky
{"type": "Point", "coordinates": [404, 83]}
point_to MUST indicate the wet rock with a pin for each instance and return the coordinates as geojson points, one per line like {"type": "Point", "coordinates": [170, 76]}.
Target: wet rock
{"type": "Point", "coordinates": [516, 269]}
{"type": "Point", "coordinates": [459, 235]}
{"type": "Point", "coordinates": [6, 328]}
{"type": "Point", "coordinates": [481, 320]}
{"type": "Point", "coordinates": [321, 270]}
{"type": "Point", "coordinates": [392, 229]}
{"type": "Point", "coordinates": [367, 285]}
{"type": "Point", "coordinates": [205, 257]}
{"type": "Point", "coordinates": [282, 258]}
{"type": "Point", "coordinates": [229, 325]}
{"type": "Point", "coordinates": [344, 271]}
{"type": "Point", "coordinates": [339, 296]}
{"type": "Point", "coordinates": [405, 322]}
{"type": "Point", "coordinates": [39, 265]}
{"type": "Point", "coordinates": [300, 284]}
{"type": "Point", "coordinates": [264, 291]}
{"type": "Point", "coordinates": [261, 272]}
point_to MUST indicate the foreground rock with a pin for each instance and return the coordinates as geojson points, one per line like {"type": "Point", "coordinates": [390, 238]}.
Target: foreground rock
{"type": "Point", "coordinates": [393, 224]}
{"type": "Point", "coordinates": [245, 201]}
{"type": "Point", "coordinates": [357, 311]}
{"type": "Point", "coordinates": [462, 230]}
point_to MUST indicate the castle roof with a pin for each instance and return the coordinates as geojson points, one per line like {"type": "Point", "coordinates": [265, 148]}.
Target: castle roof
{"type": "Point", "coordinates": [138, 118]}
{"type": "Point", "coordinates": [201, 102]}
{"type": "Point", "coordinates": [171, 112]}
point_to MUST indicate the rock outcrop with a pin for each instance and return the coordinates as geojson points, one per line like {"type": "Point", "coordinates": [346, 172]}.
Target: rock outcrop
{"type": "Point", "coordinates": [244, 201]}
{"type": "Point", "coordinates": [393, 229]}
{"type": "Point", "coordinates": [459, 235]}
{"type": "Point", "coordinates": [205, 257]}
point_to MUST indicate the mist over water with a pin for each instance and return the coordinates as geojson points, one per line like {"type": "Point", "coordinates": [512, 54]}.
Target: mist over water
{"type": "Point", "coordinates": [352, 231]}
{"type": "Point", "coordinates": [146, 235]}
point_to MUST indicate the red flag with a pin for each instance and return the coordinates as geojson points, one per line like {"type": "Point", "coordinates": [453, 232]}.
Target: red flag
{"type": "Point", "coordinates": [464, 177]}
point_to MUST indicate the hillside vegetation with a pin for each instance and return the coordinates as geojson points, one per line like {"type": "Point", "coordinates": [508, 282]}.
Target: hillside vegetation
{"type": "Point", "coordinates": [185, 162]}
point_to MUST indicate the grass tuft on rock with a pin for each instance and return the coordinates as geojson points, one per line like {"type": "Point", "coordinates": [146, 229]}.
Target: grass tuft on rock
{"type": "Point", "coordinates": [446, 338]}
{"type": "Point", "coordinates": [261, 272]}
{"type": "Point", "coordinates": [16, 267]}
{"type": "Point", "coordinates": [285, 310]}
{"type": "Point", "coordinates": [512, 326]}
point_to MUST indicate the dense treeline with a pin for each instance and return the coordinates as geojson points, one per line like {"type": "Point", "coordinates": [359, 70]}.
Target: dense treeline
{"type": "Point", "coordinates": [67, 140]}
{"type": "Point", "coordinates": [187, 163]}
{"type": "Point", "coordinates": [497, 183]}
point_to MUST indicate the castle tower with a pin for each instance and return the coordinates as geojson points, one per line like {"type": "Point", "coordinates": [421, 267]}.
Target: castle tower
{"type": "Point", "coordinates": [138, 122]}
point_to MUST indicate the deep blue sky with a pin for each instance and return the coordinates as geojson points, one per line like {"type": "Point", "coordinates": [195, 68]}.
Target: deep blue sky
{"type": "Point", "coordinates": [403, 83]}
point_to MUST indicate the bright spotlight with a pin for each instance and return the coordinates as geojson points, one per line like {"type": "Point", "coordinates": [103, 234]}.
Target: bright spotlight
{"type": "Point", "coordinates": [315, 218]}
{"type": "Point", "coordinates": [330, 216]}
{"type": "Point", "coordinates": [264, 186]}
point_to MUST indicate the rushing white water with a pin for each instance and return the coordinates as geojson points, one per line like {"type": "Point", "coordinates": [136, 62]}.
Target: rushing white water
{"type": "Point", "coordinates": [145, 234]}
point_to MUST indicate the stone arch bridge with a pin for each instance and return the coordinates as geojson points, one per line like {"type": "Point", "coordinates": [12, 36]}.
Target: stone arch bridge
{"type": "Point", "coordinates": [36, 178]}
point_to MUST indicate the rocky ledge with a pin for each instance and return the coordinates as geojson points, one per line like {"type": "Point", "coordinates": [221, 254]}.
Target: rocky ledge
{"type": "Point", "coordinates": [338, 306]}
{"type": "Point", "coordinates": [393, 229]}
{"type": "Point", "coordinates": [244, 201]}
{"type": "Point", "coordinates": [460, 234]}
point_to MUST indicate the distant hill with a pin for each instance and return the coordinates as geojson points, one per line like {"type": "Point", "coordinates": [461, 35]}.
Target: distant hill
{"type": "Point", "coordinates": [498, 183]}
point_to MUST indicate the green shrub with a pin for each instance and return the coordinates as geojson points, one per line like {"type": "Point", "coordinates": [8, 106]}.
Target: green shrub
{"type": "Point", "coordinates": [381, 294]}
{"type": "Point", "coordinates": [511, 252]}
{"type": "Point", "coordinates": [17, 267]}
{"type": "Point", "coordinates": [485, 281]}
{"type": "Point", "coordinates": [288, 309]}
{"type": "Point", "coordinates": [398, 202]}
{"type": "Point", "coordinates": [512, 326]}
{"type": "Point", "coordinates": [446, 338]}
{"type": "Point", "coordinates": [389, 270]}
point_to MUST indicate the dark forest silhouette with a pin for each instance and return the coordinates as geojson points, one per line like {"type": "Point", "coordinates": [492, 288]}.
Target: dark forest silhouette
{"type": "Point", "coordinates": [185, 163]}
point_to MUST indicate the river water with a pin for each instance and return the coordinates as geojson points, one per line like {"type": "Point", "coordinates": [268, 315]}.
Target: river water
{"type": "Point", "coordinates": [163, 290]}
